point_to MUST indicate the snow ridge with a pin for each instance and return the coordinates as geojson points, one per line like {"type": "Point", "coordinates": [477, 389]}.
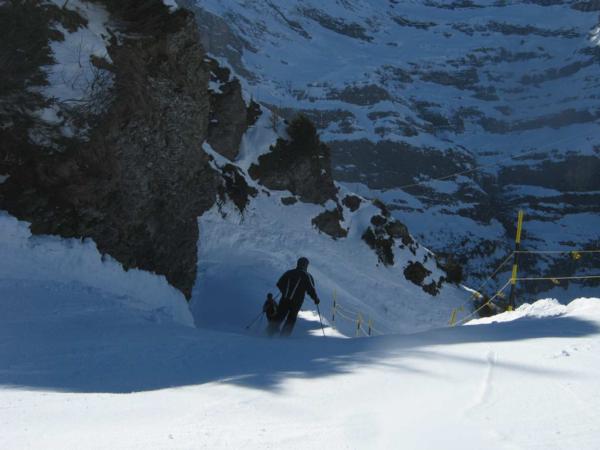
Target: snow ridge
{"type": "Point", "coordinates": [57, 261]}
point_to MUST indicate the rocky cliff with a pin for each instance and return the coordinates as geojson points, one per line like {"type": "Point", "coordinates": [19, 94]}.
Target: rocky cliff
{"type": "Point", "coordinates": [136, 179]}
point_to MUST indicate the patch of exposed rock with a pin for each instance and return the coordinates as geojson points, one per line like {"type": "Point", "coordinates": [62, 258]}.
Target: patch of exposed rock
{"type": "Point", "coordinates": [416, 273]}
{"type": "Point", "coordinates": [360, 95]}
{"type": "Point", "coordinates": [388, 164]}
{"type": "Point", "coordinates": [352, 202]}
{"type": "Point", "coordinates": [235, 188]}
{"type": "Point", "coordinates": [328, 222]}
{"type": "Point", "coordinates": [381, 236]}
{"type": "Point", "coordinates": [301, 164]}
{"type": "Point", "coordinates": [229, 115]}
{"type": "Point", "coordinates": [340, 26]}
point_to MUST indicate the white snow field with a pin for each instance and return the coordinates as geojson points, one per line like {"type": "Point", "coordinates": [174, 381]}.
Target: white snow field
{"type": "Point", "coordinates": [85, 364]}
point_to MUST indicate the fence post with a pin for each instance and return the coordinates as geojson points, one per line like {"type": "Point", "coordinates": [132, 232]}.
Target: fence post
{"type": "Point", "coordinates": [334, 306]}
{"type": "Point", "coordinates": [453, 317]}
{"type": "Point", "coordinates": [370, 325]}
{"type": "Point", "coordinates": [513, 278]}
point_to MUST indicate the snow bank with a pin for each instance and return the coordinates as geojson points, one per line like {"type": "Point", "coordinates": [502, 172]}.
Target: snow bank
{"type": "Point", "coordinates": [548, 307]}
{"type": "Point", "coordinates": [73, 261]}
{"type": "Point", "coordinates": [73, 375]}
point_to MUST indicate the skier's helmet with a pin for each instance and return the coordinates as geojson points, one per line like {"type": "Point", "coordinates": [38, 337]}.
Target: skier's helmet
{"type": "Point", "coordinates": [302, 263]}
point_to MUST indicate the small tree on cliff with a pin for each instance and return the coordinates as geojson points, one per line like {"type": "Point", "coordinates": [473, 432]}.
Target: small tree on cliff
{"type": "Point", "coordinates": [303, 135]}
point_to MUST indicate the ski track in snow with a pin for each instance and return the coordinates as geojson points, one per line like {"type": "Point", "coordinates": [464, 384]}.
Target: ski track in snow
{"type": "Point", "coordinates": [485, 388]}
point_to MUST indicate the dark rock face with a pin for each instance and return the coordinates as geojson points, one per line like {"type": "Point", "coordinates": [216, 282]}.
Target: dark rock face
{"type": "Point", "coordinates": [360, 95]}
{"type": "Point", "coordinates": [454, 271]}
{"type": "Point", "coordinates": [398, 230]}
{"type": "Point", "coordinates": [336, 25]}
{"type": "Point", "coordinates": [381, 236]}
{"type": "Point", "coordinates": [329, 223]}
{"type": "Point", "coordinates": [416, 273]}
{"type": "Point", "coordinates": [352, 202]}
{"type": "Point", "coordinates": [592, 5]}
{"type": "Point", "coordinates": [139, 183]}
{"type": "Point", "coordinates": [236, 188]}
{"type": "Point", "coordinates": [573, 173]}
{"type": "Point", "coordinates": [404, 22]}
{"type": "Point", "coordinates": [464, 79]}
{"type": "Point", "coordinates": [228, 120]}
{"type": "Point", "coordinates": [301, 165]}
{"type": "Point", "coordinates": [381, 244]}
{"type": "Point", "coordinates": [378, 221]}
{"type": "Point", "coordinates": [289, 200]}
{"type": "Point", "coordinates": [387, 164]}
{"type": "Point", "coordinates": [377, 237]}
{"type": "Point", "coordinates": [229, 115]}
{"type": "Point", "coordinates": [562, 119]}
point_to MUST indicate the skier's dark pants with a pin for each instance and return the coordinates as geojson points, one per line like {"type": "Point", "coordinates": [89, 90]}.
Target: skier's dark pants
{"type": "Point", "coordinates": [287, 308]}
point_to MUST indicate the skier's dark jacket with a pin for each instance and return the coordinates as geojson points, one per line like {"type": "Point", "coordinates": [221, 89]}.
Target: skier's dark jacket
{"type": "Point", "coordinates": [295, 283]}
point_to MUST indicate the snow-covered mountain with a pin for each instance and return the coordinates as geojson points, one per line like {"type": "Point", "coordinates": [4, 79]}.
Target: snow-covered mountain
{"type": "Point", "coordinates": [133, 139]}
{"type": "Point", "coordinates": [147, 206]}
{"type": "Point", "coordinates": [503, 93]}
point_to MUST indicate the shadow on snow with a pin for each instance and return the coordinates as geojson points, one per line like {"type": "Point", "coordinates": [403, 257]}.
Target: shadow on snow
{"type": "Point", "coordinates": [83, 353]}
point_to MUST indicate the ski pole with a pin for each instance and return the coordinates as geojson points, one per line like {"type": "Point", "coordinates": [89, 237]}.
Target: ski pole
{"type": "Point", "coordinates": [319, 311]}
{"type": "Point", "coordinates": [255, 319]}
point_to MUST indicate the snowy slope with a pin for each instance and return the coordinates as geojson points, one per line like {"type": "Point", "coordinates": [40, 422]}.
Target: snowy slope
{"type": "Point", "coordinates": [93, 356]}
{"type": "Point", "coordinates": [80, 369]}
{"type": "Point", "coordinates": [242, 255]}
{"type": "Point", "coordinates": [407, 91]}
{"type": "Point", "coordinates": [240, 258]}
{"type": "Point", "coordinates": [73, 264]}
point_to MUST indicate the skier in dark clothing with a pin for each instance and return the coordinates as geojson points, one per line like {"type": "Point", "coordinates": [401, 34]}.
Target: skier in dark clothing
{"type": "Point", "coordinates": [293, 284]}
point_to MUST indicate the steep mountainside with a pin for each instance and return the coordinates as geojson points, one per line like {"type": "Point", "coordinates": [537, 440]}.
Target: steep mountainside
{"type": "Point", "coordinates": [125, 131]}
{"type": "Point", "coordinates": [503, 93]}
